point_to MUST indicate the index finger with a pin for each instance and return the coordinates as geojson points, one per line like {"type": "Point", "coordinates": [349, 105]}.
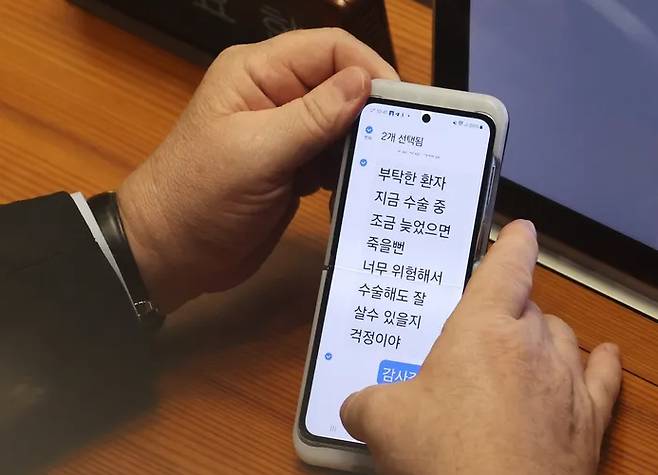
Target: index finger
{"type": "Point", "coordinates": [502, 283]}
{"type": "Point", "coordinates": [295, 62]}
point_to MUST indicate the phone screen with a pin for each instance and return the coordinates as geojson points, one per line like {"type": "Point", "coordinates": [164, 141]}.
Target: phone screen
{"type": "Point", "coordinates": [404, 237]}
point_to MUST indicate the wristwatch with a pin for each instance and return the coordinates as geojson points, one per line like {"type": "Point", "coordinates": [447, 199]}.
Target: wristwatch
{"type": "Point", "coordinates": [105, 209]}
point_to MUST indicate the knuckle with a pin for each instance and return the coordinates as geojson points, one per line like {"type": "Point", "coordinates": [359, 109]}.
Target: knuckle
{"type": "Point", "coordinates": [316, 119]}
{"type": "Point", "coordinates": [510, 340]}
{"type": "Point", "coordinates": [339, 33]}
{"type": "Point", "coordinates": [288, 34]}
{"type": "Point", "coordinates": [228, 54]}
{"type": "Point", "coordinates": [560, 328]}
{"type": "Point", "coordinates": [336, 34]}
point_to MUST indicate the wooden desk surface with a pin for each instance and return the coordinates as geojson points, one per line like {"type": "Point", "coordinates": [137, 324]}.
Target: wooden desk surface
{"type": "Point", "coordinates": [82, 103]}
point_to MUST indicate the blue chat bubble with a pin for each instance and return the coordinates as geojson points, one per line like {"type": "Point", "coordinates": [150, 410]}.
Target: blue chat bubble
{"type": "Point", "coordinates": [395, 372]}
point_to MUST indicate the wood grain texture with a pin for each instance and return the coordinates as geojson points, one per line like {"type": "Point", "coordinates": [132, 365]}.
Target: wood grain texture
{"type": "Point", "coordinates": [81, 104]}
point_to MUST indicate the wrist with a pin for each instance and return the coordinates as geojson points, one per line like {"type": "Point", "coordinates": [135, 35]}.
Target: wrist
{"type": "Point", "coordinates": [152, 239]}
{"type": "Point", "coordinates": [105, 209]}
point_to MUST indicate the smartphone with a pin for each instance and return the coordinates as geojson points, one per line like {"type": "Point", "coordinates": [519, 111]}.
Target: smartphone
{"type": "Point", "coordinates": [412, 216]}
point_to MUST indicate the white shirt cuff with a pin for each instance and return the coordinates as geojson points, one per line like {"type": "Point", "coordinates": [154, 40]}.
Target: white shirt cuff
{"type": "Point", "coordinates": [96, 232]}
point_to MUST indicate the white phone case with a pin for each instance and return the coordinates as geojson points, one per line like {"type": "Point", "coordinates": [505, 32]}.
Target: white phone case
{"type": "Point", "coordinates": [358, 460]}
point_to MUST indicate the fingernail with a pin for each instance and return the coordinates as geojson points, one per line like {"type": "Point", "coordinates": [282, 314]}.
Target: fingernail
{"type": "Point", "coordinates": [612, 348]}
{"type": "Point", "coordinates": [530, 225]}
{"type": "Point", "coordinates": [351, 83]}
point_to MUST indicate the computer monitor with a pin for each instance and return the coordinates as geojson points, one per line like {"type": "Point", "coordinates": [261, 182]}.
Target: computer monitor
{"type": "Point", "coordinates": [580, 80]}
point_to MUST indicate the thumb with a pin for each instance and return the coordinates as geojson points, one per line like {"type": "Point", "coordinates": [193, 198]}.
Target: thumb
{"type": "Point", "coordinates": [359, 413]}
{"type": "Point", "coordinates": [305, 126]}
{"type": "Point", "coordinates": [603, 380]}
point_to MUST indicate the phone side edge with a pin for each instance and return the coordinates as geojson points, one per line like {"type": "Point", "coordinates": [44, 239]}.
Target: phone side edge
{"type": "Point", "coordinates": [451, 99]}
{"type": "Point", "coordinates": [324, 455]}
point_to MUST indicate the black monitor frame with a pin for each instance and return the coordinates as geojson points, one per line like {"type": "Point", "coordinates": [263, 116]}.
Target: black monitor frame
{"type": "Point", "coordinates": [451, 48]}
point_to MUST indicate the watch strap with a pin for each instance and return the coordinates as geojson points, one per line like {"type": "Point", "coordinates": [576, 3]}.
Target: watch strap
{"type": "Point", "coordinates": [105, 209]}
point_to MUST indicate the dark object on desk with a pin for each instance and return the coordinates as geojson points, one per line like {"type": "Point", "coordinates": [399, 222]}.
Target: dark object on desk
{"type": "Point", "coordinates": [199, 29]}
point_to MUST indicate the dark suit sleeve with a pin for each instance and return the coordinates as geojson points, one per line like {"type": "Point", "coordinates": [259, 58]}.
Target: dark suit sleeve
{"type": "Point", "coordinates": [71, 351]}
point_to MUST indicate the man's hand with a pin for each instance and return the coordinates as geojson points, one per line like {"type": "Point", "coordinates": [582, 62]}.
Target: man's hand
{"type": "Point", "coordinates": [210, 204]}
{"type": "Point", "coordinates": [503, 391]}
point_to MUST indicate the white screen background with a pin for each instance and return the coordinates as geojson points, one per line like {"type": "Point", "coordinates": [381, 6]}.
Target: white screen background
{"type": "Point", "coordinates": [456, 152]}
